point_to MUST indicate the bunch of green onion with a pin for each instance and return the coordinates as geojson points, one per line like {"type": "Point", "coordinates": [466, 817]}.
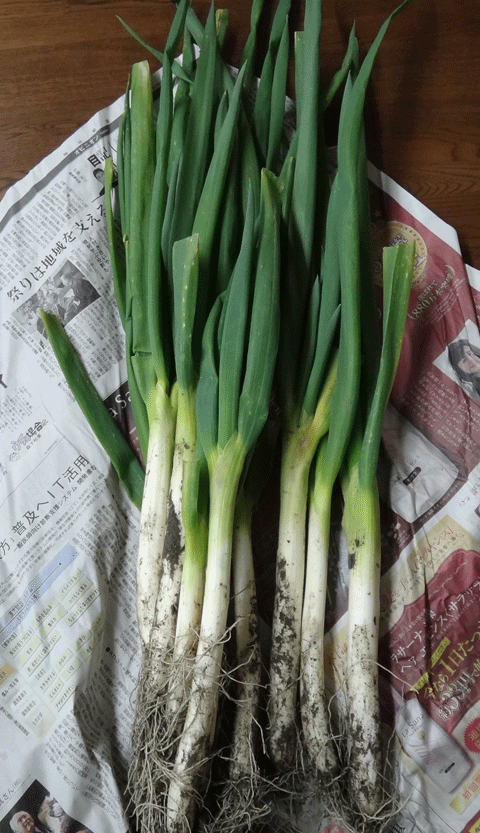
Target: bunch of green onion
{"type": "Point", "coordinates": [241, 269]}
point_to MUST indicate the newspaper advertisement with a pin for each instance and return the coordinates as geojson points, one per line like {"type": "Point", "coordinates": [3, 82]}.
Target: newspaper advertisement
{"type": "Point", "coordinates": [69, 650]}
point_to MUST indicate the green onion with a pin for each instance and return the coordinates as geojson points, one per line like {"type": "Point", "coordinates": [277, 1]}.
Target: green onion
{"type": "Point", "coordinates": [109, 436]}
{"type": "Point", "coordinates": [361, 522]}
{"type": "Point", "coordinates": [345, 258]}
{"type": "Point", "coordinates": [233, 280]}
{"type": "Point", "coordinates": [226, 456]}
{"type": "Point", "coordinates": [265, 107]}
{"type": "Point", "coordinates": [154, 412]}
{"type": "Point", "coordinates": [306, 374]}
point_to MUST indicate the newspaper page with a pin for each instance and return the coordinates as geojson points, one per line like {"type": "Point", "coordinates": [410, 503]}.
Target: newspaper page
{"type": "Point", "coordinates": [69, 652]}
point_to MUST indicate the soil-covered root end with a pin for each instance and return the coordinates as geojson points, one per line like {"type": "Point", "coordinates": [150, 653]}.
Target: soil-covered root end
{"type": "Point", "coordinates": [243, 807]}
{"type": "Point", "coordinates": [155, 733]}
{"type": "Point", "coordinates": [353, 806]}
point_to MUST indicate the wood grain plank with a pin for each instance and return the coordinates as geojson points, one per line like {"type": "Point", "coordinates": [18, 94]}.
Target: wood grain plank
{"type": "Point", "coordinates": [62, 60]}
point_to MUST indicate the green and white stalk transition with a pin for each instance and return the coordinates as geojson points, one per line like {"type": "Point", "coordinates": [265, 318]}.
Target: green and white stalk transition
{"type": "Point", "coordinates": [361, 523]}
{"type": "Point", "coordinates": [194, 745]}
{"type": "Point", "coordinates": [314, 711]}
{"type": "Point", "coordinates": [299, 449]}
{"type": "Point", "coordinates": [154, 513]}
{"type": "Point", "coordinates": [232, 407]}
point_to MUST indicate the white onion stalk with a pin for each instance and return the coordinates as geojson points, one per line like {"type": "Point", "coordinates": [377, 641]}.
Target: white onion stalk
{"type": "Point", "coordinates": [191, 587]}
{"type": "Point", "coordinates": [297, 456]}
{"type": "Point", "coordinates": [243, 800]}
{"type": "Point", "coordinates": [316, 730]}
{"type": "Point", "coordinates": [154, 512]}
{"type": "Point", "coordinates": [194, 744]}
{"type": "Point", "coordinates": [361, 522]}
{"type": "Point", "coordinates": [285, 656]}
{"type": "Point", "coordinates": [162, 634]}
{"type": "Point", "coordinates": [248, 670]}
{"type": "Point", "coordinates": [232, 407]}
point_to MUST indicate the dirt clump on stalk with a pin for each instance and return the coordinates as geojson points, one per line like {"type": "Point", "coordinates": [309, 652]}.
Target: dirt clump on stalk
{"type": "Point", "coordinates": [172, 548]}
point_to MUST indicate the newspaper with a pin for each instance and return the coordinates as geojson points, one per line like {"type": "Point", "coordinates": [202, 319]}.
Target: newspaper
{"type": "Point", "coordinates": [69, 651]}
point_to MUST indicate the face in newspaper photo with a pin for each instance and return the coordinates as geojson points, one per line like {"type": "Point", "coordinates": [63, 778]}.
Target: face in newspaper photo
{"type": "Point", "coordinates": [37, 811]}
{"type": "Point", "coordinates": [465, 360]}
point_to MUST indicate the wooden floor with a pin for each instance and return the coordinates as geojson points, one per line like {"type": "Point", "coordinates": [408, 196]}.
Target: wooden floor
{"type": "Point", "coordinates": [62, 60]}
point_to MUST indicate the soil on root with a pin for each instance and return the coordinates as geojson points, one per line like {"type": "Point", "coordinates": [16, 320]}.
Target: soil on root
{"type": "Point", "coordinates": [338, 800]}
